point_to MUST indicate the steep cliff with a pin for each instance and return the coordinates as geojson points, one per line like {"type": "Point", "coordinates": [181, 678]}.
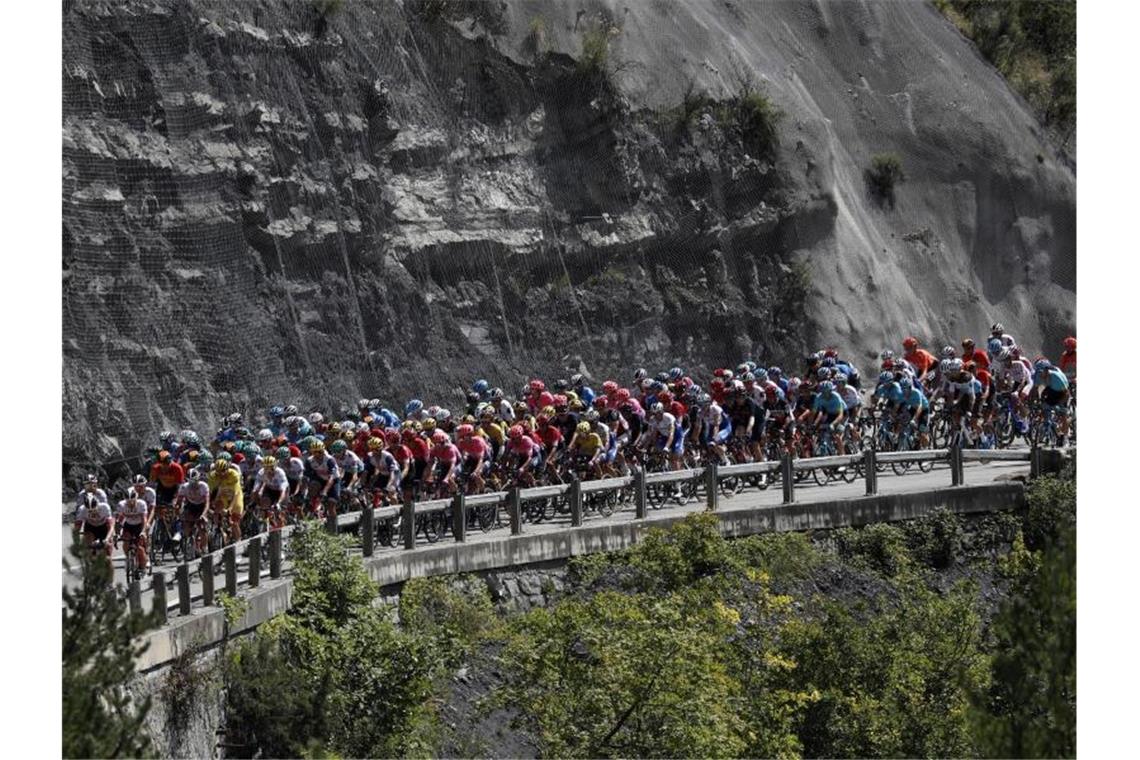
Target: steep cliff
{"type": "Point", "coordinates": [266, 202]}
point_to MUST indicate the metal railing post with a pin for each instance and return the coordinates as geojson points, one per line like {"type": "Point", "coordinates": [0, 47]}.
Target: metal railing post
{"type": "Point", "coordinates": [182, 578]}
{"type": "Point", "coordinates": [330, 521]}
{"type": "Point", "coordinates": [575, 496]}
{"type": "Point", "coordinates": [459, 517]}
{"type": "Point", "coordinates": [229, 560]}
{"type": "Point", "coordinates": [206, 573]}
{"type": "Point", "coordinates": [956, 465]}
{"type": "Point", "coordinates": [639, 497]}
{"type": "Point", "coordinates": [275, 539]}
{"type": "Point", "coordinates": [712, 489]}
{"type": "Point", "coordinates": [514, 510]}
{"type": "Point", "coordinates": [134, 597]}
{"type": "Point", "coordinates": [159, 606]}
{"type": "Point", "coordinates": [870, 473]}
{"type": "Point", "coordinates": [788, 476]}
{"type": "Point", "coordinates": [408, 522]}
{"type": "Point", "coordinates": [368, 531]}
{"type": "Point", "coordinates": [255, 561]}
{"type": "Point", "coordinates": [1035, 461]}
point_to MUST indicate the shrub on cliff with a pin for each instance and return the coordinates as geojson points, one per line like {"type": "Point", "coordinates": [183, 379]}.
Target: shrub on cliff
{"type": "Point", "coordinates": [886, 171]}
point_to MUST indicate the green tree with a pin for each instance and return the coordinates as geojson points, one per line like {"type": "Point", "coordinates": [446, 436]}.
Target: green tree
{"type": "Point", "coordinates": [99, 717]}
{"type": "Point", "coordinates": [1030, 707]}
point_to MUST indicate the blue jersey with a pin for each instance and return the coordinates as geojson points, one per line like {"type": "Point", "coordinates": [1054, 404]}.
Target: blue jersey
{"type": "Point", "coordinates": [831, 403]}
{"type": "Point", "coordinates": [891, 391]}
{"type": "Point", "coordinates": [847, 369]}
{"type": "Point", "coordinates": [1053, 379]}
{"type": "Point", "coordinates": [916, 398]}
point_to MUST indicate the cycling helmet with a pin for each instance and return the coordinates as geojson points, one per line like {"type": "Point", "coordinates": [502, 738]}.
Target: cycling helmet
{"type": "Point", "coordinates": [431, 411]}
{"type": "Point", "coordinates": [472, 397]}
{"type": "Point", "coordinates": [622, 395]}
{"type": "Point", "coordinates": [609, 387]}
{"type": "Point", "coordinates": [91, 480]}
{"type": "Point", "coordinates": [646, 383]}
{"type": "Point", "coordinates": [686, 382]}
{"type": "Point", "coordinates": [291, 409]}
{"type": "Point", "coordinates": [221, 464]}
{"type": "Point", "coordinates": [481, 387]}
{"type": "Point", "coordinates": [166, 436]}
{"type": "Point", "coordinates": [748, 377]}
{"type": "Point", "coordinates": [316, 446]}
{"type": "Point", "coordinates": [826, 386]}
{"type": "Point", "coordinates": [428, 424]}
{"type": "Point", "coordinates": [841, 378]}
{"type": "Point", "coordinates": [665, 397]}
{"type": "Point", "coordinates": [139, 480]}
{"type": "Point", "coordinates": [560, 385]}
{"type": "Point", "coordinates": [576, 379]}
{"type": "Point", "coordinates": [910, 343]}
{"type": "Point", "coordinates": [515, 431]}
{"type": "Point", "coordinates": [993, 346]}
{"type": "Point", "coordinates": [189, 437]}
{"type": "Point", "coordinates": [485, 410]}
{"type": "Point", "coordinates": [269, 463]}
{"type": "Point", "coordinates": [823, 373]}
{"type": "Point", "coordinates": [601, 402]}
{"type": "Point", "coordinates": [591, 415]}
{"type": "Point", "coordinates": [362, 403]}
{"type": "Point", "coordinates": [338, 447]}
{"type": "Point", "coordinates": [587, 395]}
{"type": "Point", "coordinates": [1040, 365]}
{"type": "Point", "coordinates": [947, 352]}
{"type": "Point", "coordinates": [828, 361]}
{"type": "Point", "coordinates": [760, 374]}
{"type": "Point", "coordinates": [955, 365]}
{"type": "Point", "coordinates": [742, 368]}
{"type": "Point", "coordinates": [194, 475]}
{"type": "Point", "coordinates": [1070, 343]}
{"type": "Point", "coordinates": [583, 428]}
{"type": "Point", "coordinates": [775, 371]}
{"type": "Point", "coordinates": [906, 384]}
{"type": "Point", "coordinates": [704, 399]}
{"type": "Point", "coordinates": [640, 374]}
{"type": "Point", "coordinates": [658, 408]}
{"type": "Point", "coordinates": [728, 375]}
{"type": "Point", "coordinates": [1004, 355]}
{"type": "Point", "coordinates": [464, 430]}
{"type": "Point", "coordinates": [496, 394]}
{"type": "Point", "coordinates": [662, 377]}
{"type": "Point", "coordinates": [439, 437]}
{"type": "Point", "coordinates": [676, 373]}
{"type": "Point", "coordinates": [546, 398]}
{"type": "Point", "coordinates": [658, 386]}
{"type": "Point", "coordinates": [413, 406]}
{"type": "Point", "coordinates": [560, 400]}
{"type": "Point", "coordinates": [283, 453]}
{"type": "Point", "coordinates": [547, 411]}
{"type": "Point", "coordinates": [886, 354]}
{"type": "Point", "coordinates": [721, 372]}
{"type": "Point", "coordinates": [885, 377]}
{"type": "Point", "coordinates": [316, 418]}
{"type": "Point", "coordinates": [997, 329]}
{"type": "Point", "coordinates": [537, 386]}
{"type": "Point", "coordinates": [393, 437]}
{"type": "Point", "coordinates": [223, 456]}
{"type": "Point", "coordinates": [265, 434]}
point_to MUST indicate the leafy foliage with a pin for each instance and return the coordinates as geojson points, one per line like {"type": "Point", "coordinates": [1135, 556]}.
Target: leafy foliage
{"type": "Point", "coordinates": [1033, 44]}
{"type": "Point", "coordinates": [99, 717]}
{"type": "Point", "coordinates": [886, 171]}
{"type": "Point", "coordinates": [455, 613]}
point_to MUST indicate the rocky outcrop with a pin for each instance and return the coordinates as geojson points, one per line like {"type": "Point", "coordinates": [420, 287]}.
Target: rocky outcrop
{"type": "Point", "coordinates": [263, 204]}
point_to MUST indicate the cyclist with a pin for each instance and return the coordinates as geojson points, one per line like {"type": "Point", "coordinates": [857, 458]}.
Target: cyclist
{"type": "Point", "coordinates": [226, 495]}
{"type": "Point", "coordinates": [323, 475]}
{"type": "Point", "coordinates": [444, 456]}
{"type": "Point", "coordinates": [960, 391]}
{"type": "Point", "coordinates": [523, 453]}
{"type": "Point", "coordinates": [133, 518]}
{"type": "Point", "coordinates": [831, 410]}
{"type": "Point", "coordinates": [997, 330]}
{"type": "Point", "coordinates": [850, 395]}
{"type": "Point", "coordinates": [715, 427]}
{"type": "Point", "coordinates": [140, 488]}
{"type": "Point", "coordinates": [970, 353]}
{"type": "Point", "coordinates": [350, 465]}
{"type": "Point", "coordinates": [166, 475]}
{"type": "Point", "coordinates": [586, 449]}
{"type": "Point", "coordinates": [663, 427]}
{"type": "Point", "coordinates": [194, 498]}
{"type": "Point", "coordinates": [1052, 387]}
{"type": "Point", "coordinates": [922, 360]}
{"type": "Point", "coordinates": [271, 487]}
{"type": "Point", "coordinates": [915, 407]}
{"type": "Point", "coordinates": [1068, 364]}
{"type": "Point", "coordinates": [94, 518]}
{"type": "Point", "coordinates": [382, 472]}
{"type": "Point", "coordinates": [476, 455]}
{"type": "Point", "coordinates": [90, 495]}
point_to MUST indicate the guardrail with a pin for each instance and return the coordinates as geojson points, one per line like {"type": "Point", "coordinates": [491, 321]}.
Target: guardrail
{"type": "Point", "coordinates": [643, 490]}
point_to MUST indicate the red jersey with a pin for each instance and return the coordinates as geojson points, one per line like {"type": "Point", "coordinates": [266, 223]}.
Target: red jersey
{"type": "Point", "coordinates": [1069, 362]}
{"type": "Point", "coordinates": [922, 360]}
{"type": "Point", "coordinates": [980, 358]}
{"type": "Point", "coordinates": [549, 436]}
{"type": "Point", "coordinates": [402, 454]}
{"type": "Point", "coordinates": [984, 377]}
{"type": "Point", "coordinates": [169, 475]}
{"type": "Point", "coordinates": [419, 448]}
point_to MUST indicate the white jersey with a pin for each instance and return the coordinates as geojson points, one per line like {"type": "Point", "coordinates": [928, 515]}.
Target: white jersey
{"type": "Point", "coordinates": [147, 495]}
{"type": "Point", "coordinates": [325, 467]}
{"type": "Point", "coordinates": [1018, 373]}
{"type": "Point", "coordinates": [850, 396]}
{"type": "Point", "coordinates": [195, 493]}
{"type": "Point", "coordinates": [664, 425]}
{"type": "Point", "coordinates": [349, 462]}
{"type": "Point", "coordinates": [383, 462]}
{"type": "Point", "coordinates": [87, 498]}
{"type": "Point", "coordinates": [295, 468]}
{"type": "Point", "coordinates": [277, 481]}
{"type": "Point", "coordinates": [713, 413]}
{"type": "Point", "coordinates": [98, 514]}
{"type": "Point", "coordinates": [132, 514]}
{"type": "Point", "coordinates": [506, 411]}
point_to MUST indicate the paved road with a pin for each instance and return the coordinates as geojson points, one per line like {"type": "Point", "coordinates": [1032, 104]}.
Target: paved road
{"type": "Point", "coordinates": [806, 491]}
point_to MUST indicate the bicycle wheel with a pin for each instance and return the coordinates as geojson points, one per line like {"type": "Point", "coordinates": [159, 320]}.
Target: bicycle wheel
{"type": "Point", "coordinates": [157, 542]}
{"type": "Point", "coordinates": [429, 526]}
{"type": "Point", "coordinates": [821, 475]}
{"type": "Point", "coordinates": [385, 533]}
{"type": "Point", "coordinates": [486, 515]}
{"type": "Point", "coordinates": [850, 473]}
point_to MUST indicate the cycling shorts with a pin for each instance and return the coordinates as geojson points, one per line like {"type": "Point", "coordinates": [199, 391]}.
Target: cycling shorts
{"type": "Point", "coordinates": [97, 532]}
{"type": "Point", "coordinates": [164, 495]}
{"type": "Point", "coordinates": [271, 494]}
{"type": "Point", "coordinates": [133, 530]}
{"type": "Point", "coordinates": [334, 491]}
{"type": "Point", "coordinates": [1054, 398]}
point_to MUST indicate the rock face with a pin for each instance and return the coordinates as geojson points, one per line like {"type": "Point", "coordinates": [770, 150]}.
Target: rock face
{"type": "Point", "coordinates": [263, 204]}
